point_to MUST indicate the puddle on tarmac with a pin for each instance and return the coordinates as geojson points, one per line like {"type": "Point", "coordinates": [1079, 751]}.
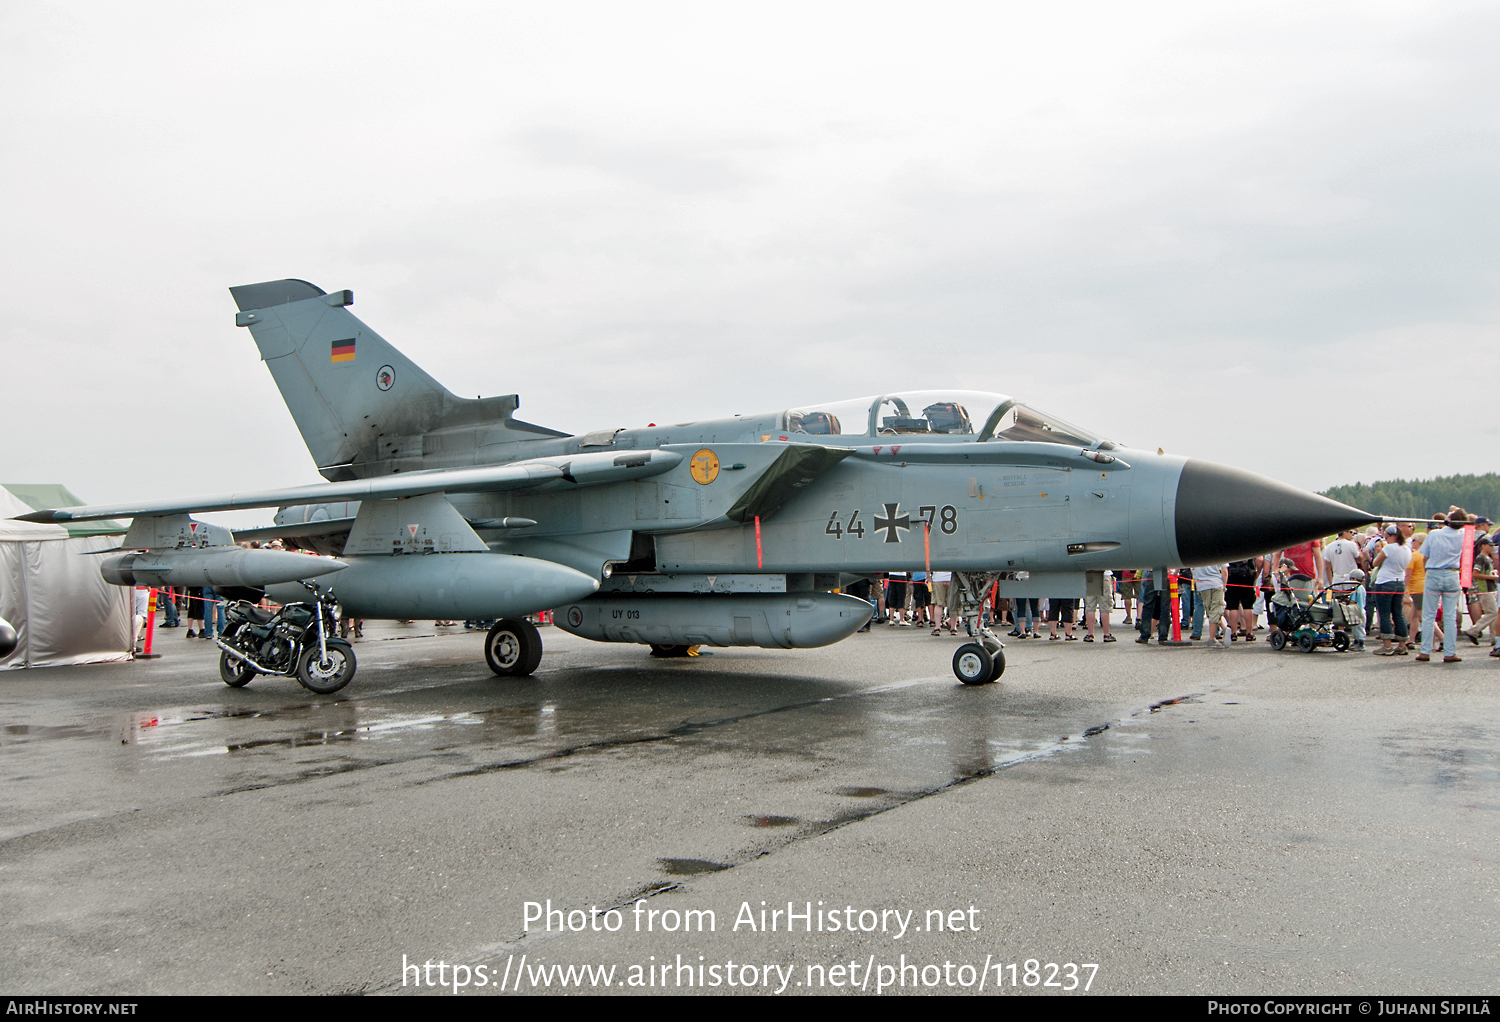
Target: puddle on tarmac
{"type": "Point", "coordinates": [15, 734]}
{"type": "Point", "coordinates": [306, 738]}
{"type": "Point", "coordinates": [1196, 697]}
{"type": "Point", "coordinates": [773, 821]}
{"type": "Point", "coordinates": [860, 792]}
{"type": "Point", "coordinates": [158, 736]}
{"type": "Point", "coordinates": [690, 867]}
{"type": "Point", "coordinates": [1461, 757]}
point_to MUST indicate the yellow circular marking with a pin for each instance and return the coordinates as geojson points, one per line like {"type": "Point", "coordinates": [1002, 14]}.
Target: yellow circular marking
{"type": "Point", "coordinates": [705, 466]}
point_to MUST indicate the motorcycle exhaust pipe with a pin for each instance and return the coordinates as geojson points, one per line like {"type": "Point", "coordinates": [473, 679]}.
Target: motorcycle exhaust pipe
{"type": "Point", "coordinates": [240, 656]}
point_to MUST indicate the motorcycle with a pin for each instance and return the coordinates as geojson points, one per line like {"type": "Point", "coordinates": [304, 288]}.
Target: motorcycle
{"type": "Point", "coordinates": [299, 640]}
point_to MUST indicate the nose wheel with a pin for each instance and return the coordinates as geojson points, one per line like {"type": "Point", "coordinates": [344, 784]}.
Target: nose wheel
{"type": "Point", "coordinates": [981, 662]}
{"type": "Point", "coordinates": [972, 664]}
{"type": "Point", "coordinates": [975, 664]}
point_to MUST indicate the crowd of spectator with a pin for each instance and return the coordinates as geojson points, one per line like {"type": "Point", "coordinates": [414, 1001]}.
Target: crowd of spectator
{"type": "Point", "coordinates": [1406, 586]}
{"type": "Point", "coordinates": [1397, 576]}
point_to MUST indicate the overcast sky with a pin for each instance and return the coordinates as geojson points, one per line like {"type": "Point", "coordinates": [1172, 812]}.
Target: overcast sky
{"type": "Point", "coordinates": [1264, 234]}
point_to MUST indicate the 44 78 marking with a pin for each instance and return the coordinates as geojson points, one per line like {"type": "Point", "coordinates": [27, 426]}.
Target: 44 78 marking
{"type": "Point", "coordinates": [837, 529]}
{"type": "Point", "coordinates": [893, 523]}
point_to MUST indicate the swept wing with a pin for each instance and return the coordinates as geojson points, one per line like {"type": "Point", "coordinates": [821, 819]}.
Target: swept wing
{"type": "Point", "coordinates": [553, 473]}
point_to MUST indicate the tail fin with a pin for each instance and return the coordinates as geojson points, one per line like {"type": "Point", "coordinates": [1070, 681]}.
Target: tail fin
{"type": "Point", "coordinates": [362, 406]}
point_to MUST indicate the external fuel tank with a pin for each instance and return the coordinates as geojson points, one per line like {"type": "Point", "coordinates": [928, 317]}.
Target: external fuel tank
{"type": "Point", "coordinates": [768, 620]}
{"type": "Point", "coordinates": [462, 585]}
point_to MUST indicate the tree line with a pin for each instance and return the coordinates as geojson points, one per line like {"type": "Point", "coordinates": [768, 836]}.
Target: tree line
{"type": "Point", "coordinates": [1419, 498]}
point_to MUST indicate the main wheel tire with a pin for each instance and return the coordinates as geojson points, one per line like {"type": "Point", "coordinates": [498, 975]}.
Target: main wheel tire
{"type": "Point", "coordinates": [1307, 642]}
{"type": "Point", "coordinates": [972, 664]}
{"type": "Point", "coordinates": [1341, 641]}
{"type": "Point", "coordinates": [513, 648]}
{"type": "Point", "coordinates": [1278, 641]}
{"type": "Point", "coordinates": [236, 673]}
{"type": "Point", "coordinates": [327, 677]}
{"type": "Point", "coordinates": [669, 652]}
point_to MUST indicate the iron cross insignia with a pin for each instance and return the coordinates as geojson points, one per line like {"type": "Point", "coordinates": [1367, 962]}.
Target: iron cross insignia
{"type": "Point", "coordinates": [890, 523]}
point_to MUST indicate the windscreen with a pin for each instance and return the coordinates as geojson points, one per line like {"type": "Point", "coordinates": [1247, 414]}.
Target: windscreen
{"type": "Point", "coordinates": [1021, 422]}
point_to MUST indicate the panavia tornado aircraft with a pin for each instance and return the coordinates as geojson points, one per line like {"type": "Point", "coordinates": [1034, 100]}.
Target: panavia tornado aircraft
{"type": "Point", "coordinates": [738, 531]}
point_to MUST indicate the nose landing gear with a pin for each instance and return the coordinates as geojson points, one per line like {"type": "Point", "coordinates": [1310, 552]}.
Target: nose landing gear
{"type": "Point", "coordinates": [982, 661]}
{"type": "Point", "coordinates": [973, 664]}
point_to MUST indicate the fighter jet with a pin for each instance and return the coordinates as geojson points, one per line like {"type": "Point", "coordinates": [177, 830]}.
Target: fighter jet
{"type": "Point", "coordinates": [736, 531]}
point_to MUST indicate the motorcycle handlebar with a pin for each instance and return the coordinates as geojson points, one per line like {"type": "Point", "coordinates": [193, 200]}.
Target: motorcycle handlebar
{"type": "Point", "coordinates": [324, 596]}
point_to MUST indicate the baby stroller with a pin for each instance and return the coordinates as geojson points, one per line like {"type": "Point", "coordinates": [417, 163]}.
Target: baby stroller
{"type": "Point", "coordinates": [1309, 619]}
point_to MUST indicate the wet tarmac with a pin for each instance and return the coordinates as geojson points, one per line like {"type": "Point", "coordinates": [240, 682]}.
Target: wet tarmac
{"type": "Point", "coordinates": [1189, 821]}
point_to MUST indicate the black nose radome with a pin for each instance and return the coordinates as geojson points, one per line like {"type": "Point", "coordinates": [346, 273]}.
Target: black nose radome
{"type": "Point", "coordinates": [1227, 514]}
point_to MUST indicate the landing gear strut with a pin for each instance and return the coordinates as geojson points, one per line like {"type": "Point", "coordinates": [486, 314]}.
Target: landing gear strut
{"type": "Point", "coordinates": [983, 660]}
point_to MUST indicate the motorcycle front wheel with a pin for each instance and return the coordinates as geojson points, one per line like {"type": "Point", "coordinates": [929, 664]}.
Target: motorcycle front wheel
{"type": "Point", "coordinates": [327, 676]}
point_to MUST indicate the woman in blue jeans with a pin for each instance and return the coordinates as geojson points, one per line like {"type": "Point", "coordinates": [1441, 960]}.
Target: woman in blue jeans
{"type": "Point", "coordinates": [1390, 591]}
{"type": "Point", "coordinates": [1024, 607]}
{"type": "Point", "coordinates": [1443, 551]}
{"type": "Point", "coordinates": [213, 614]}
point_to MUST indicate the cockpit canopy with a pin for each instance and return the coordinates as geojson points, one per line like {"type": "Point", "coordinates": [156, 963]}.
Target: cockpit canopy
{"type": "Point", "coordinates": [937, 412]}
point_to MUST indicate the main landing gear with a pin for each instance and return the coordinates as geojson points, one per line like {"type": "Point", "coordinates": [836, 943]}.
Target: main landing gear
{"type": "Point", "coordinates": [983, 660]}
{"type": "Point", "coordinates": [513, 647]}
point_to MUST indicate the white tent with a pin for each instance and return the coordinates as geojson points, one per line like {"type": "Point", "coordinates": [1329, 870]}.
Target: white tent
{"type": "Point", "coordinates": [51, 591]}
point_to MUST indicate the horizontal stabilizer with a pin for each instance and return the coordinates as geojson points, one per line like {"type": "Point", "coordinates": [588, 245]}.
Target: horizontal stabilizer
{"type": "Point", "coordinates": [562, 472]}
